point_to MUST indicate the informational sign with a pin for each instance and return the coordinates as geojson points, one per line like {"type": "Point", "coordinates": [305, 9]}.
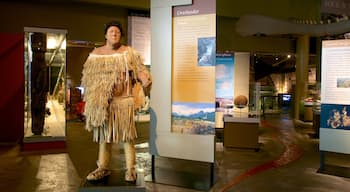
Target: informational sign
{"type": "Point", "coordinates": [139, 29]}
{"type": "Point", "coordinates": [338, 7]}
{"type": "Point", "coordinates": [224, 82]}
{"type": "Point", "coordinates": [193, 78]}
{"type": "Point", "coordinates": [224, 72]}
{"type": "Point", "coordinates": [335, 100]}
{"type": "Point", "coordinates": [190, 71]}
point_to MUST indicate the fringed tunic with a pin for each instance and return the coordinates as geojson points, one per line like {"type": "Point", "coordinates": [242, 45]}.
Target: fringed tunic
{"type": "Point", "coordinates": [109, 103]}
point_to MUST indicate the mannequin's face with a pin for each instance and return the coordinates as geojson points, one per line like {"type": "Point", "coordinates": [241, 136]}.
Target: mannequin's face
{"type": "Point", "coordinates": [113, 35]}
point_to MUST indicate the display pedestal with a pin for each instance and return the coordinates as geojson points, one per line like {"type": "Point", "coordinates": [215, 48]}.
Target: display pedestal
{"type": "Point", "coordinates": [308, 114]}
{"type": "Point", "coordinates": [334, 169]}
{"type": "Point", "coordinates": [37, 143]}
{"type": "Point", "coordinates": [316, 123]}
{"type": "Point", "coordinates": [241, 132]}
{"type": "Point", "coordinates": [183, 173]}
{"type": "Point", "coordinates": [114, 182]}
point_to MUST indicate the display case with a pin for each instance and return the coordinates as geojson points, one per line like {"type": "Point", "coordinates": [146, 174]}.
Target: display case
{"type": "Point", "coordinates": [45, 84]}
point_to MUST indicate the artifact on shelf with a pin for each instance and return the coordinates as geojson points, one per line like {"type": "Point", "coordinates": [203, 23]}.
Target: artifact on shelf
{"type": "Point", "coordinates": [240, 101]}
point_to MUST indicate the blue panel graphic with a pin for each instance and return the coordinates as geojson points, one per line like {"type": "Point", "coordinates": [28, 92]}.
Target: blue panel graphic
{"type": "Point", "coordinates": [335, 116]}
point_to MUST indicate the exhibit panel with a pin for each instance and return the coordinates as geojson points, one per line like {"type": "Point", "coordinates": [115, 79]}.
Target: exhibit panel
{"type": "Point", "coordinates": [335, 104]}
{"type": "Point", "coordinates": [193, 68]}
{"type": "Point", "coordinates": [139, 35]}
{"type": "Point", "coordinates": [186, 147]}
{"type": "Point", "coordinates": [164, 142]}
{"type": "Point", "coordinates": [45, 84]}
{"type": "Point", "coordinates": [224, 72]}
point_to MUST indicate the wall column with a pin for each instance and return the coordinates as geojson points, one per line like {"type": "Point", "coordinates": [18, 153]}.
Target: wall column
{"type": "Point", "coordinates": [302, 69]}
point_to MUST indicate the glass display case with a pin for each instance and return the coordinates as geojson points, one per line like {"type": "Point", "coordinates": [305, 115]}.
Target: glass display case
{"type": "Point", "coordinates": [45, 84]}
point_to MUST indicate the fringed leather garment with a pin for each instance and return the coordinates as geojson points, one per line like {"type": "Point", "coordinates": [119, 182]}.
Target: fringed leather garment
{"type": "Point", "coordinates": [108, 112]}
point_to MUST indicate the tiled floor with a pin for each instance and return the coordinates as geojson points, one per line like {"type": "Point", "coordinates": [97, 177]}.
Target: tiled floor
{"type": "Point", "coordinates": [288, 160]}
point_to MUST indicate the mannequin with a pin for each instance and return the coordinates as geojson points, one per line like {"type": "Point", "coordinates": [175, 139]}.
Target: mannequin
{"type": "Point", "coordinates": [109, 76]}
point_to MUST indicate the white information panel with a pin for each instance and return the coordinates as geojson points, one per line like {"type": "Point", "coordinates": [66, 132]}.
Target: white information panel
{"type": "Point", "coordinates": [140, 36]}
{"type": "Point", "coordinates": [163, 142]}
{"type": "Point", "coordinates": [335, 96]}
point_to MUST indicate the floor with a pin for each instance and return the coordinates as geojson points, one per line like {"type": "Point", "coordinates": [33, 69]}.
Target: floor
{"type": "Point", "coordinates": [288, 160]}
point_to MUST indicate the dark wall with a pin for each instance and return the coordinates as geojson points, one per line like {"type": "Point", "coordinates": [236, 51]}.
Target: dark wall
{"type": "Point", "coordinates": [12, 87]}
{"type": "Point", "coordinates": [76, 57]}
{"type": "Point", "coordinates": [83, 21]}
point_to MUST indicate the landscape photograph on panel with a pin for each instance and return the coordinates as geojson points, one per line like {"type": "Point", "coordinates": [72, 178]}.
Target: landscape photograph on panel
{"type": "Point", "coordinates": [206, 51]}
{"type": "Point", "coordinates": [193, 118]}
{"type": "Point", "coordinates": [335, 116]}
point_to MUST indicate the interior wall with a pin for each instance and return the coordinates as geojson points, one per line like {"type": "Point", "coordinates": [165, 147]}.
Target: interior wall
{"type": "Point", "coordinates": [241, 82]}
{"type": "Point", "coordinates": [82, 21]}
{"type": "Point", "coordinates": [12, 87]}
{"type": "Point", "coordinates": [76, 57]}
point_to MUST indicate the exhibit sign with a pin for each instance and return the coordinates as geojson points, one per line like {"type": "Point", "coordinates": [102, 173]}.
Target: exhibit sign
{"type": "Point", "coordinates": [224, 72]}
{"type": "Point", "coordinates": [139, 33]}
{"type": "Point", "coordinates": [174, 55]}
{"type": "Point", "coordinates": [193, 78]}
{"type": "Point", "coordinates": [224, 82]}
{"type": "Point", "coordinates": [335, 100]}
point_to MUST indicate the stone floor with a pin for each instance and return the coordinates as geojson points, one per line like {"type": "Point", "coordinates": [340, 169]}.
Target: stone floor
{"type": "Point", "coordinates": [288, 160]}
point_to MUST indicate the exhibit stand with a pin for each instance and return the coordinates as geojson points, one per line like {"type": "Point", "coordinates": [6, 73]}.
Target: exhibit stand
{"type": "Point", "coordinates": [184, 173]}
{"type": "Point", "coordinates": [241, 132]}
{"type": "Point", "coordinates": [335, 107]}
{"type": "Point", "coordinates": [182, 130]}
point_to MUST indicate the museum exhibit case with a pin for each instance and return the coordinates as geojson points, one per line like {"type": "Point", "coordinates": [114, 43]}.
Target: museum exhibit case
{"type": "Point", "coordinates": [45, 85]}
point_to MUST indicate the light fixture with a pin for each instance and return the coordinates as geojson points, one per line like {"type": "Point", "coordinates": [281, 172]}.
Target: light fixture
{"type": "Point", "coordinates": [51, 43]}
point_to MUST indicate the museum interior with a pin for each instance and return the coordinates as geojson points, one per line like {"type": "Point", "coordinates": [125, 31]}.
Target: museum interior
{"type": "Point", "coordinates": [268, 134]}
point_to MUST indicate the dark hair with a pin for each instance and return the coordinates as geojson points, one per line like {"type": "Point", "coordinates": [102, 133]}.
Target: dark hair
{"type": "Point", "coordinates": [114, 23]}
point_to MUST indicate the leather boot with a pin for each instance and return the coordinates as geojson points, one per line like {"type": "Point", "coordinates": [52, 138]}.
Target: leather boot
{"type": "Point", "coordinates": [104, 158]}
{"type": "Point", "coordinates": [130, 160]}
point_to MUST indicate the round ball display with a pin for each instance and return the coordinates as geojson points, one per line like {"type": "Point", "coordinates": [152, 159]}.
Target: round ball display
{"type": "Point", "coordinates": [241, 101]}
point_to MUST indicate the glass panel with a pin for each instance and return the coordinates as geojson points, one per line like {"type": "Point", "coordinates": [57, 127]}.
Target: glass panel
{"type": "Point", "coordinates": [45, 83]}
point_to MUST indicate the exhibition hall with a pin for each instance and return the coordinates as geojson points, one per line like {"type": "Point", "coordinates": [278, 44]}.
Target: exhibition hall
{"type": "Point", "coordinates": [181, 95]}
